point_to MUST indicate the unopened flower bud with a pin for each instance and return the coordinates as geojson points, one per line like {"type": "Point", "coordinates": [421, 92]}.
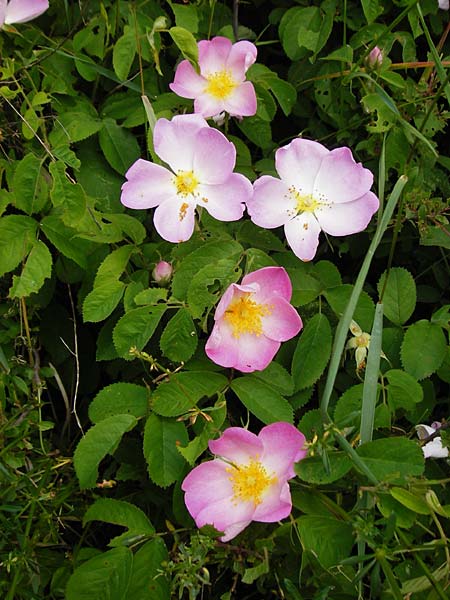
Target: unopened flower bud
{"type": "Point", "coordinates": [375, 57]}
{"type": "Point", "coordinates": [162, 273]}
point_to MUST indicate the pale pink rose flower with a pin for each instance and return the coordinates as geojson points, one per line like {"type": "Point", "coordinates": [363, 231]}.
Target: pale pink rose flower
{"type": "Point", "coordinates": [220, 85]}
{"type": "Point", "coordinates": [162, 273]}
{"type": "Point", "coordinates": [443, 4]}
{"type": "Point", "coordinates": [252, 319]}
{"type": "Point", "coordinates": [248, 479]}
{"type": "Point", "coordinates": [201, 162]}
{"type": "Point", "coordinates": [318, 190]}
{"type": "Point", "coordinates": [434, 448]}
{"type": "Point", "coordinates": [21, 11]}
{"type": "Point", "coordinates": [375, 57]}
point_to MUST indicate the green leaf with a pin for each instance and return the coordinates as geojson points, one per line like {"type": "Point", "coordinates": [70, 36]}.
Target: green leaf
{"type": "Point", "coordinates": [28, 185]}
{"type": "Point", "coordinates": [161, 438]}
{"type": "Point", "coordinates": [312, 353]}
{"type": "Point", "coordinates": [119, 399]}
{"type": "Point", "coordinates": [403, 390]}
{"type": "Point", "coordinates": [372, 9]}
{"type": "Point", "coordinates": [339, 297]}
{"type": "Point", "coordinates": [423, 349]}
{"type": "Point", "coordinates": [122, 513]}
{"type": "Point", "coordinates": [135, 329]}
{"type": "Point", "coordinates": [114, 265]}
{"type": "Point", "coordinates": [37, 268]}
{"type": "Point", "coordinates": [68, 197]}
{"type": "Point", "coordinates": [119, 146]}
{"type": "Point", "coordinates": [101, 302]}
{"type": "Point", "coordinates": [276, 376]}
{"type": "Point", "coordinates": [312, 470]}
{"type": "Point", "coordinates": [179, 339]}
{"type": "Point", "coordinates": [305, 288]}
{"type": "Point", "coordinates": [124, 52]}
{"type": "Point", "coordinates": [102, 439]}
{"type": "Point", "coordinates": [66, 241]}
{"type": "Point", "coordinates": [328, 539]}
{"type": "Point", "coordinates": [399, 296]}
{"type": "Point", "coordinates": [148, 578]}
{"type": "Point", "coordinates": [262, 400]}
{"type": "Point", "coordinates": [150, 296]}
{"type": "Point", "coordinates": [104, 577]}
{"type": "Point", "coordinates": [215, 277]}
{"type": "Point", "coordinates": [17, 237]}
{"type": "Point", "coordinates": [186, 43]}
{"type": "Point", "coordinates": [77, 125]}
{"type": "Point", "coordinates": [209, 252]}
{"type": "Point", "coordinates": [393, 460]}
{"type": "Point", "coordinates": [183, 390]}
{"type": "Point", "coordinates": [415, 503]}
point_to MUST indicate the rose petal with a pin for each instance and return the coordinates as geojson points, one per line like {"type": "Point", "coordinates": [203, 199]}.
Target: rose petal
{"type": "Point", "coordinates": [174, 219]}
{"type": "Point", "coordinates": [227, 516]}
{"type": "Point", "coordinates": [283, 446]}
{"type": "Point", "coordinates": [148, 185]}
{"type": "Point", "coordinates": [434, 449]}
{"type": "Point", "coordinates": [233, 530]}
{"type": "Point", "coordinates": [238, 445]}
{"type": "Point", "coordinates": [21, 11]}
{"type": "Point", "coordinates": [302, 233]}
{"type": "Point", "coordinates": [271, 281]}
{"type": "Point", "coordinates": [232, 293]}
{"type": "Point", "coordinates": [213, 55]}
{"type": "Point", "coordinates": [187, 82]}
{"type": "Point", "coordinates": [226, 202]}
{"type": "Point", "coordinates": [340, 178]}
{"type": "Point", "coordinates": [175, 141]}
{"type": "Point", "coordinates": [208, 106]}
{"type": "Point", "coordinates": [283, 323]}
{"type": "Point", "coordinates": [347, 217]}
{"type": "Point", "coordinates": [242, 101]}
{"type": "Point", "coordinates": [241, 56]}
{"type": "Point", "coordinates": [207, 483]}
{"type": "Point", "coordinates": [2, 11]}
{"type": "Point", "coordinates": [276, 505]}
{"type": "Point", "coordinates": [214, 156]}
{"type": "Point", "coordinates": [271, 204]}
{"type": "Point", "coordinates": [299, 162]}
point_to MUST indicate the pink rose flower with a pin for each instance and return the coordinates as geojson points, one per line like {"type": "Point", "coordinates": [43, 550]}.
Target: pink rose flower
{"type": "Point", "coordinates": [162, 273]}
{"type": "Point", "coordinates": [443, 4]}
{"type": "Point", "coordinates": [375, 57]}
{"type": "Point", "coordinates": [21, 11]}
{"type": "Point", "coordinates": [221, 84]}
{"type": "Point", "coordinates": [201, 162]}
{"type": "Point", "coordinates": [252, 319]}
{"type": "Point", "coordinates": [318, 190]}
{"type": "Point", "coordinates": [248, 479]}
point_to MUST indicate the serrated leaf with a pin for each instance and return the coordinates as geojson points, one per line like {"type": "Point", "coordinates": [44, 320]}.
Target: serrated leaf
{"type": "Point", "coordinates": [104, 577]}
{"type": "Point", "coordinates": [122, 513]}
{"type": "Point", "coordinates": [66, 196]}
{"type": "Point", "coordinates": [399, 297]}
{"type": "Point", "coordinates": [328, 539]}
{"type": "Point", "coordinates": [119, 399]}
{"type": "Point", "coordinates": [393, 460]}
{"type": "Point", "coordinates": [65, 240]}
{"type": "Point", "coordinates": [37, 269]}
{"type": "Point", "coordinates": [124, 52]}
{"type": "Point", "coordinates": [183, 390]}
{"type": "Point", "coordinates": [119, 146]}
{"type": "Point", "coordinates": [196, 260]}
{"type": "Point", "coordinates": [423, 349]}
{"type": "Point", "coordinates": [77, 125]}
{"type": "Point", "coordinates": [161, 438]}
{"type": "Point", "coordinates": [215, 277]}
{"type": "Point", "coordinates": [114, 265]}
{"type": "Point", "coordinates": [28, 186]}
{"type": "Point", "coordinates": [135, 329]}
{"type": "Point", "coordinates": [179, 339]}
{"type": "Point", "coordinates": [276, 376]}
{"type": "Point", "coordinates": [311, 469]}
{"type": "Point", "coordinates": [148, 578]}
{"type": "Point", "coordinates": [415, 503]}
{"type": "Point", "coordinates": [150, 296]}
{"type": "Point", "coordinates": [338, 298]}
{"type": "Point", "coordinates": [17, 236]}
{"type": "Point", "coordinates": [186, 43]}
{"type": "Point", "coordinates": [403, 390]}
{"type": "Point", "coordinates": [262, 400]}
{"type": "Point", "coordinates": [101, 439]}
{"type": "Point", "coordinates": [102, 300]}
{"type": "Point", "coordinates": [312, 353]}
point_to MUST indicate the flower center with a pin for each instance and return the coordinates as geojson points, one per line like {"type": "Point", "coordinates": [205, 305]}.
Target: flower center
{"type": "Point", "coordinates": [305, 202]}
{"type": "Point", "coordinates": [186, 183]}
{"type": "Point", "coordinates": [250, 481]}
{"type": "Point", "coordinates": [362, 341]}
{"type": "Point", "coordinates": [220, 84]}
{"type": "Point", "coordinates": [244, 315]}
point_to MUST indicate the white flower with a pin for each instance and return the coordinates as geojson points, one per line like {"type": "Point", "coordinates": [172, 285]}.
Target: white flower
{"type": "Point", "coordinates": [360, 342]}
{"type": "Point", "coordinates": [434, 448]}
{"type": "Point", "coordinates": [443, 4]}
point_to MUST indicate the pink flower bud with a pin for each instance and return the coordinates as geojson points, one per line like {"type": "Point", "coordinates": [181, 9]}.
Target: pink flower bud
{"type": "Point", "coordinates": [375, 57]}
{"type": "Point", "coordinates": [162, 273]}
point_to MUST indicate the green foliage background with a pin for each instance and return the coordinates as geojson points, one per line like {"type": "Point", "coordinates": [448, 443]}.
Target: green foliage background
{"type": "Point", "coordinates": [107, 399]}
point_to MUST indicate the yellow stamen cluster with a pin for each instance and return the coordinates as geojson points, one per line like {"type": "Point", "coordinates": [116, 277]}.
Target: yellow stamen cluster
{"type": "Point", "coordinates": [305, 202]}
{"type": "Point", "coordinates": [220, 84]}
{"type": "Point", "coordinates": [244, 315]}
{"type": "Point", "coordinates": [250, 482]}
{"type": "Point", "coordinates": [186, 183]}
